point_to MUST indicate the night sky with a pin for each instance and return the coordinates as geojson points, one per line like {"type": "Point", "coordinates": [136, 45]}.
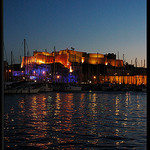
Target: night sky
{"type": "Point", "coordinates": [103, 26]}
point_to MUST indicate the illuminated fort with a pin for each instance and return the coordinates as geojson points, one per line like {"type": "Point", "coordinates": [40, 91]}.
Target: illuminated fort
{"type": "Point", "coordinates": [76, 66]}
{"type": "Point", "coordinates": [68, 57]}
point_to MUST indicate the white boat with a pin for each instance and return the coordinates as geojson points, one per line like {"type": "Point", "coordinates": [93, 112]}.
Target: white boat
{"type": "Point", "coordinates": [46, 88]}
{"type": "Point", "coordinates": [25, 90]}
{"type": "Point", "coordinates": [72, 88]}
{"type": "Point", "coordinates": [18, 91]}
{"type": "Point", "coordinates": [30, 90]}
{"type": "Point", "coordinates": [10, 91]}
{"type": "Point", "coordinates": [66, 88]}
{"type": "Point", "coordinates": [34, 90]}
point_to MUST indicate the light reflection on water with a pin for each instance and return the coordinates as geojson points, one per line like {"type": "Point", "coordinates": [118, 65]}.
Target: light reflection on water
{"type": "Point", "coordinates": [60, 120]}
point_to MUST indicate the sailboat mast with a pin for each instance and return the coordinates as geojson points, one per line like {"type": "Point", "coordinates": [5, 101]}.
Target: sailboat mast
{"type": "Point", "coordinates": [46, 64]}
{"type": "Point", "coordinates": [20, 67]}
{"type": "Point", "coordinates": [27, 61]}
{"type": "Point", "coordinates": [123, 69]}
{"type": "Point", "coordinates": [54, 66]}
{"type": "Point", "coordinates": [24, 56]}
{"type": "Point", "coordinates": [131, 72]}
{"type": "Point", "coordinates": [97, 68]}
{"type": "Point", "coordinates": [123, 59]}
{"type": "Point", "coordinates": [11, 67]}
{"type": "Point", "coordinates": [73, 62]}
{"type": "Point", "coordinates": [115, 69]}
{"type": "Point", "coordinates": [136, 69]}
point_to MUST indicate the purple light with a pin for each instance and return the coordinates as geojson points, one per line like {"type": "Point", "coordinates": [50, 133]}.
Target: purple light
{"type": "Point", "coordinates": [32, 77]}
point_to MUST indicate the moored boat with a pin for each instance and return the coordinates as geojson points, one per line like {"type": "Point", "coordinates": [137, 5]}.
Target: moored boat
{"type": "Point", "coordinates": [66, 87]}
{"type": "Point", "coordinates": [106, 86]}
{"type": "Point", "coordinates": [34, 90]}
{"type": "Point", "coordinates": [72, 88]}
{"type": "Point", "coordinates": [24, 90]}
{"type": "Point", "coordinates": [10, 91]}
{"type": "Point", "coordinates": [46, 88]}
{"type": "Point", "coordinates": [30, 90]}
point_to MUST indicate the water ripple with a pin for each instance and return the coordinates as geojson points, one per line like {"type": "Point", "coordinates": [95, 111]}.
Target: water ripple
{"type": "Point", "coordinates": [99, 120]}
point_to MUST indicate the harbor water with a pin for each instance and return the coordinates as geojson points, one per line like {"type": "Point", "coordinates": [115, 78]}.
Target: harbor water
{"type": "Point", "coordinates": [84, 120]}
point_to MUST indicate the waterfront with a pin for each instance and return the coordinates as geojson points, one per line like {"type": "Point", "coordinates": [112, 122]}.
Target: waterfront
{"type": "Point", "coordinates": [85, 120]}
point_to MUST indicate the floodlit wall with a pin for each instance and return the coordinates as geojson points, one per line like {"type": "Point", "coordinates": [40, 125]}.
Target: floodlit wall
{"type": "Point", "coordinates": [113, 62]}
{"type": "Point", "coordinates": [93, 60]}
{"type": "Point", "coordinates": [38, 59]}
{"type": "Point", "coordinates": [63, 59]}
{"type": "Point", "coordinates": [67, 56]}
{"type": "Point", "coordinates": [35, 53]}
{"type": "Point", "coordinates": [95, 55]}
{"type": "Point", "coordinates": [119, 63]}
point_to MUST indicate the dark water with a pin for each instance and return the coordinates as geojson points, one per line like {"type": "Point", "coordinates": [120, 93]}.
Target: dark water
{"type": "Point", "coordinates": [57, 120]}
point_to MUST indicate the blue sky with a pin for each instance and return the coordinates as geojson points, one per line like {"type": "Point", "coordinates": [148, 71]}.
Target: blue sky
{"type": "Point", "coordinates": [103, 26]}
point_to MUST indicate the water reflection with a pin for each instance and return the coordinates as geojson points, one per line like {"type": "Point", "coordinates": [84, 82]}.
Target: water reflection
{"type": "Point", "coordinates": [37, 125]}
{"type": "Point", "coordinates": [63, 116]}
{"type": "Point", "coordinates": [75, 121]}
{"type": "Point", "coordinates": [117, 106]}
{"type": "Point", "coordinates": [37, 115]}
{"type": "Point", "coordinates": [93, 104]}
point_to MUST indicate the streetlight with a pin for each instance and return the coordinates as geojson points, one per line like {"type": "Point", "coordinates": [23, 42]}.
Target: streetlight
{"type": "Point", "coordinates": [58, 76]}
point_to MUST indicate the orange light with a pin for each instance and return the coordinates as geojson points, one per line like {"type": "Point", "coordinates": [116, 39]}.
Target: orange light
{"type": "Point", "coordinates": [9, 70]}
{"type": "Point", "coordinates": [82, 60]}
{"type": "Point", "coordinates": [94, 77]}
{"type": "Point", "coordinates": [58, 76]}
{"type": "Point", "coordinates": [106, 63]}
{"type": "Point", "coordinates": [70, 69]}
